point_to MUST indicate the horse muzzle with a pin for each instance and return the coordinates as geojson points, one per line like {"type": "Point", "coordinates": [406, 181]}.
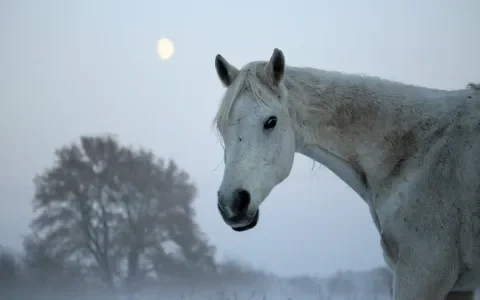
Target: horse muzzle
{"type": "Point", "coordinates": [235, 211]}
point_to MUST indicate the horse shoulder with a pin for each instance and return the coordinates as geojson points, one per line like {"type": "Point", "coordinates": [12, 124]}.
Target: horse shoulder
{"type": "Point", "coordinates": [448, 158]}
{"type": "Point", "coordinates": [434, 202]}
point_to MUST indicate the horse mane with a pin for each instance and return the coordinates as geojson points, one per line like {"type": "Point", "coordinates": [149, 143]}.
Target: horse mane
{"type": "Point", "coordinates": [252, 78]}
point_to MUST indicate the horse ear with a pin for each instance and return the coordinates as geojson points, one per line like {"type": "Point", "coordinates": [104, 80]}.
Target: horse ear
{"type": "Point", "coordinates": [275, 68]}
{"type": "Point", "coordinates": [225, 71]}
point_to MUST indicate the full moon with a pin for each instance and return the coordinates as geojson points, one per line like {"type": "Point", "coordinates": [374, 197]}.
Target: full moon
{"type": "Point", "coordinates": [165, 48]}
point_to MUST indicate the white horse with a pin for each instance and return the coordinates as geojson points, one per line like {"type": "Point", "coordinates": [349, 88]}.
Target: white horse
{"type": "Point", "coordinates": [412, 153]}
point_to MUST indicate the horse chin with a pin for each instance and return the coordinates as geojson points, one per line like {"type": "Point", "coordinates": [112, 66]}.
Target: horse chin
{"type": "Point", "coordinates": [250, 225]}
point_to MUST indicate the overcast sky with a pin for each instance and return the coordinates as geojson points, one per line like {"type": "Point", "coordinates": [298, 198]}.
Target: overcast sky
{"type": "Point", "coordinates": [69, 68]}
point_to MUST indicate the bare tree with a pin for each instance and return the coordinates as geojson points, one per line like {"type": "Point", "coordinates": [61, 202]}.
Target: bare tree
{"type": "Point", "coordinates": [116, 209]}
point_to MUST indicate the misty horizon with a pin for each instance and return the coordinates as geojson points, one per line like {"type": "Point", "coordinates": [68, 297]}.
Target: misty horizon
{"type": "Point", "coordinates": [89, 68]}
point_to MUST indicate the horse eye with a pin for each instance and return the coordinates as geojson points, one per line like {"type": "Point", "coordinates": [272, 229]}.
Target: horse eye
{"type": "Point", "coordinates": [270, 123]}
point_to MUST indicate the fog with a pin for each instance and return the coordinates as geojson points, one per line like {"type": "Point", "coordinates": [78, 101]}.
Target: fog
{"type": "Point", "coordinates": [110, 166]}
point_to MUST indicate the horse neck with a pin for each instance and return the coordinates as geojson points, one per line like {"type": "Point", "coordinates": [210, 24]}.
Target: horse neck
{"type": "Point", "coordinates": [363, 123]}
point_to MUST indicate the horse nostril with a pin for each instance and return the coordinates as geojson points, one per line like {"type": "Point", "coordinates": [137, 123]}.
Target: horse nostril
{"type": "Point", "coordinates": [242, 200]}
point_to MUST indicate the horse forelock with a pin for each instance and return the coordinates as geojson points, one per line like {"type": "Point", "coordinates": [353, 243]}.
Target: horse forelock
{"type": "Point", "coordinates": [251, 78]}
